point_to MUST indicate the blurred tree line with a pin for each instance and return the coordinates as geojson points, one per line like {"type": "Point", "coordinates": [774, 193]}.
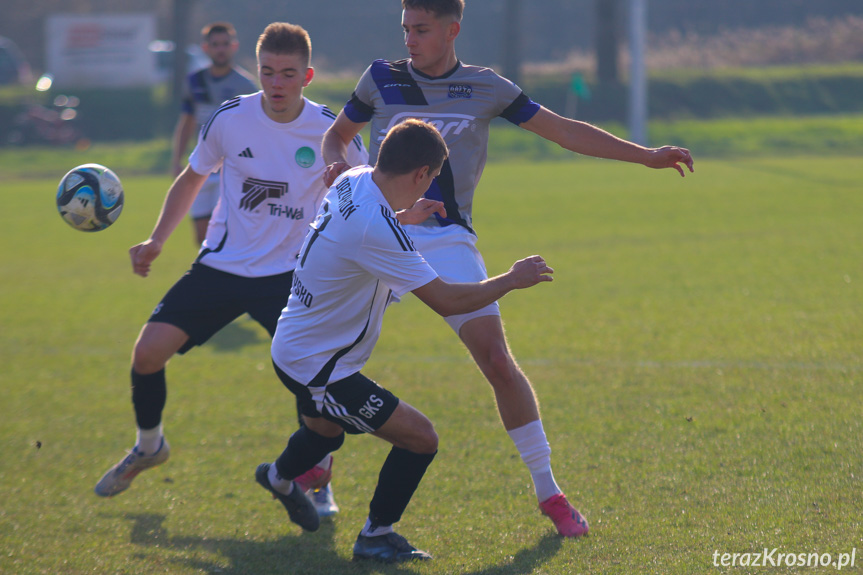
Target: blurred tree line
{"type": "Point", "coordinates": [347, 34]}
{"type": "Point", "coordinates": [524, 40]}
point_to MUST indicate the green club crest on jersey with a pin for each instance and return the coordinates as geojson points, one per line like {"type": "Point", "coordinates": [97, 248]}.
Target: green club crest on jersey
{"type": "Point", "coordinates": [305, 157]}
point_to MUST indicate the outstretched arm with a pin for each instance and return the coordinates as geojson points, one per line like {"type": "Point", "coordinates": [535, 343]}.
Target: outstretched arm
{"type": "Point", "coordinates": [177, 203]}
{"type": "Point", "coordinates": [582, 138]}
{"type": "Point", "coordinates": [334, 148]}
{"type": "Point", "coordinates": [456, 298]}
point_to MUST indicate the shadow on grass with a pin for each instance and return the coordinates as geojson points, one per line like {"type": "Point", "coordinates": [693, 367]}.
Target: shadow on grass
{"type": "Point", "coordinates": [528, 560]}
{"type": "Point", "coordinates": [296, 554]}
{"type": "Point", "coordinates": [238, 334]}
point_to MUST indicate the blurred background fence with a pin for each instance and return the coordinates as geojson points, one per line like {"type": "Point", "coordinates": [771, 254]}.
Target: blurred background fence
{"type": "Point", "coordinates": [705, 59]}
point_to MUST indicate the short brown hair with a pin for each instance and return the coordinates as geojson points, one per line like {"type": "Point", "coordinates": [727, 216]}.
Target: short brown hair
{"type": "Point", "coordinates": [439, 8]}
{"type": "Point", "coordinates": [218, 28]}
{"type": "Point", "coordinates": [285, 38]}
{"type": "Point", "coordinates": [410, 145]}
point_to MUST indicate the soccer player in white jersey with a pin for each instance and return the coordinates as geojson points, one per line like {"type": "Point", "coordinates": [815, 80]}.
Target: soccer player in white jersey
{"type": "Point", "coordinates": [461, 100]}
{"type": "Point", "coordinates": [267, 145]}
{"type": "Point", "coordinates": [203, 93]}
{"type": "Point", "coordinates": [354, 259]}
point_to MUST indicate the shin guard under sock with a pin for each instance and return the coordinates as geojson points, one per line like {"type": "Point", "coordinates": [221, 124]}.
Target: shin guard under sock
{"type": "Point", "coordinates": [149, 393]}
{"type": "Point", "coordinates": [305, 449]}
{"type": "Point", "coordinates": [400, 475]}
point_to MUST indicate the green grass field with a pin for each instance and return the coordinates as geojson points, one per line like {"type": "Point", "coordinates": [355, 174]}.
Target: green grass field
{"type": "Point", "coordinates": [697, 358]}
{"type": "Point", "coordinates": [762, 137]}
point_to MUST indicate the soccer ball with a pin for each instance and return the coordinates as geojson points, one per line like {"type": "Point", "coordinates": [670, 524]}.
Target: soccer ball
{"type": "Point", "coordinates": [90, 198]}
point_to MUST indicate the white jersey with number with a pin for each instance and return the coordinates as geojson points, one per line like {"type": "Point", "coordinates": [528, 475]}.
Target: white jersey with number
{"type": "Point", "coordinates": [355, 256]}
{"type": "Point", "coordinates": [271, 186]}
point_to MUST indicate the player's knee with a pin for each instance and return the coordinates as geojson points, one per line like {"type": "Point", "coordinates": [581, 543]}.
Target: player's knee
{"type": "Point", "coordinates": [145, 366]}
{"type": "Point", "coordinates": [499, 366]}
{"type": "Point", "coordinates": [146, 360]}
{"type": "Point", "coordinates": [425, 439]}
{"type": "Point", "coordinates": [156, 344]}
{"type": "Point", "coordinates": [428, 442]}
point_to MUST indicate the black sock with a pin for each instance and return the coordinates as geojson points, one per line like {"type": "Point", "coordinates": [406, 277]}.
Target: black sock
{"type": "Point", "coordinates": [400, 476]}
{"type": "Point", "coordinates": [305, 449]}
{"type": "Point", "coordinates": [149, 393]}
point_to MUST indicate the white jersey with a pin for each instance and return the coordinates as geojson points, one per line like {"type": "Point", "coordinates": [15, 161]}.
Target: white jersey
{"type": "Point", "coordinates": [353, 258]}
{"type": "Point", "coordinates": [271, 187]}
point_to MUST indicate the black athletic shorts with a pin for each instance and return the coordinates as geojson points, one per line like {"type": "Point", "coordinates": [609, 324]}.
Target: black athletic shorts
{"type": "Point", "coordinates": [356, 402]}
{"type": "Point", "coordinates": [205, 300]}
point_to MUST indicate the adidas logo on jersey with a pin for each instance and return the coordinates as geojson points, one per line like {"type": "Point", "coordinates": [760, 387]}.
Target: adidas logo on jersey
{"type": "Point", "coordinates": [247, 153]}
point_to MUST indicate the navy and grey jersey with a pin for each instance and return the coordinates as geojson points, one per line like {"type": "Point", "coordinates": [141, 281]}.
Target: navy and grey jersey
{"type": "Point", "coordinates": [203, 93]}
{"type": "Point", "coordinates": [460, 104]}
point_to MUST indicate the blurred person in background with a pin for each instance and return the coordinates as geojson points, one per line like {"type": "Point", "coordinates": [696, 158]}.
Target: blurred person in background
{"type": "Point", "coordinates": [203, 93]}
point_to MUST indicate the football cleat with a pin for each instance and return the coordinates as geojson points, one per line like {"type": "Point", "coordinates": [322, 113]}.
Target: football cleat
{"type": "Point", "coordinates": [568, 521]}
{"type": "Point", "coordinates": [299, 508]}
{"type": "Point", "coordinates": [315, 478]}
{"type": "Point", "coordinates": [119, 478]}
{"type": "Point", "coordinates": [323, 500]}
{"type": "Point", "coordinates": [388, 548]}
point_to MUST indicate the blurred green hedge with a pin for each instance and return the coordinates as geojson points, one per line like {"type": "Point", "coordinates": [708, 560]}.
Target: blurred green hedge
{"type": "Point", "coordinates": [145, 113]}
{"type": "Point", "coordinates": [124, 114]}
{"type": "Point", "coordinates": [102, 114]}
{"type": "Point", "coordinates": [716, 94]}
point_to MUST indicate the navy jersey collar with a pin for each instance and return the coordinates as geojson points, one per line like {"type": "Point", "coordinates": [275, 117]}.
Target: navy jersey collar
{"type": "Point", "coordinates": [441, 77]}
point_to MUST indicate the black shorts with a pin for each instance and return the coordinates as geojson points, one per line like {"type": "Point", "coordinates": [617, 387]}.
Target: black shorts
{"type": "Point", "coordinates": [356, 403]}
{"type": "Point", "coordinates": [205, 300]}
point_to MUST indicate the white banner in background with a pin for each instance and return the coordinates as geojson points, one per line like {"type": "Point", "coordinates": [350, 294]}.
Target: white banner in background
{"type": "Point", "coordinates": [100, 50]}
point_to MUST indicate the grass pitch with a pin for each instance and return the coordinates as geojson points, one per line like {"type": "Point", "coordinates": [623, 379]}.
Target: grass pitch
{"type": "Point", "coordinates": [697, 359]}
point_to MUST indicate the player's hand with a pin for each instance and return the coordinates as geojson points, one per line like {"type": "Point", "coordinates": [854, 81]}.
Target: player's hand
{"type": "Point", "coordinates": [333, 171]}
{"type": "Point", "coordinates": [143, 255]}
{"type": "Point", "coordinates": [670, 157]}
{"type": "Point", "coordinates": [529, 272]}
{"type": "Point", "coordinates": [422, 210]}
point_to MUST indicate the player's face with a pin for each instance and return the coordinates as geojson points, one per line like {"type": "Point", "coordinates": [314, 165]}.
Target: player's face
{"type": "Point", "coordinates": [220, 47]}
{"type": "Point", "coordinates": [430, 41]}
{"type": "Point", "coordinates": [283, 77]}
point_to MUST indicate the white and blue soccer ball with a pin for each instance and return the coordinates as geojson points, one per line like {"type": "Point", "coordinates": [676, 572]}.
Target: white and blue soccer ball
{"type": "Point", "coordinates": [90, 198]}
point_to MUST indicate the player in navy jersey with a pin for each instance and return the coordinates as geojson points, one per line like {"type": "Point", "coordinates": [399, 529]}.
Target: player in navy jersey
{"type": "Point", "coordinates": [355, 257]}
{"type": "Point", "coordinates": [267, 145]}
{"type": "Point", "coordinates": [203, 93]}
{"type": "Point", "coordinates": [461, 100]}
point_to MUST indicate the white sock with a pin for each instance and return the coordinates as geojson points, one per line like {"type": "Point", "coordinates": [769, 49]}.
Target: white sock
{"type": "Point", "coordinates": [533, 447]}
{"type": "Point", "coordinates": [370, 531]}
{"type": "Point", "coordinates": [325, 462]}
{"type": "Point", "coordinates": [279, 483]}
{"type": "Point", "coordinates": [149, 440]}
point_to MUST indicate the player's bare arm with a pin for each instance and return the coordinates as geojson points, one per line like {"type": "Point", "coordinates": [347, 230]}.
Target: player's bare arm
{"type": "Point", "coordinates": [334, 147]}
{"type": "Point", "coordinates": [177, 203]}
{"type": "Point", "coordinates": [456, 298]}
{"type": "Point", "coordinates": [582, 138]}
